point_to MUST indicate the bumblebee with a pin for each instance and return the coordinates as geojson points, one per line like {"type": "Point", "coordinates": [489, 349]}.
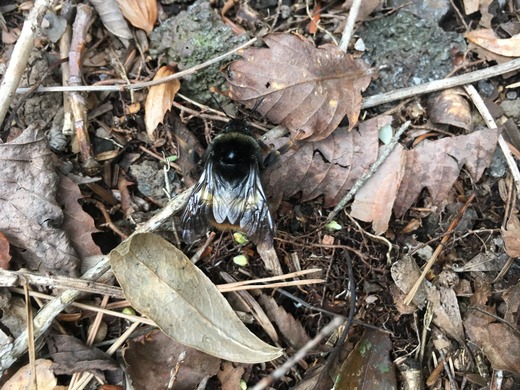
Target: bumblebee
{"type": "Point", "coordinates": [229, 193]}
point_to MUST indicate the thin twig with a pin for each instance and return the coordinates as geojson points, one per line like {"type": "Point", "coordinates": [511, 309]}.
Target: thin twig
{"type": "Point", "coordinates": [115, 88]}
{"type": "Point", "coordinates": [32, 349]}
{"type": "Point", "coordinates": [282, 370]}
{"type": "Point", "coordinates": [349, 27]}
{"type": "Point", "coordinates": [20, 56]}
{"type": "Point", "coordinates": [85, 379]}
{"type": "Point", "coordinates": [440, 247]}
{"type": "Point", "coordinates": [439, 85]}
{"type": "Point", "coordinates": [363, 179]}
{"type": "Point", "coordinates": [488, 118]}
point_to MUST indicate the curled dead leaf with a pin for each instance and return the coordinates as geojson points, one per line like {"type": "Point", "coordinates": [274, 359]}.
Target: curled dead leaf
{"type": "Point", "coordinates": [451, 108]}
{"type": "Point", "coordinates": [487, 39]}
{"type": "Point", "coordinates": [141, 13]}
{"type": "Point", "coordinates": [113, 19]}
{"type": "Point", "coordinates": [308, 89]}
{"type": "Point", "coordinates": [159, 100]}
{"type": "Point", "coordinates": [45, 379]}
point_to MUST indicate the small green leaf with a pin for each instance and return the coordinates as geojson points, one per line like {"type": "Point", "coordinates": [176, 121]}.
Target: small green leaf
{"type": "Point", "coordinates": [129, 310]}
{"type": "Point", "coordinates": [240, 238]}
{"type": "Point", "coordinates": [333, 225]}
{"type": "Point", "coordinates": [241, 260]}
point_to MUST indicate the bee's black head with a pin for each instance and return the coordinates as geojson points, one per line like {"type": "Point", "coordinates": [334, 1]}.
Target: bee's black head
{"type": "Point", "coordinates": [234, 153]}
{"type": "Point", "coordinates": [238, 126]}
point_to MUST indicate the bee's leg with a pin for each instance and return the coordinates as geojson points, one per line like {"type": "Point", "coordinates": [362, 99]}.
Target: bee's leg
{"type": "Point", "coordinates": [273, 155]}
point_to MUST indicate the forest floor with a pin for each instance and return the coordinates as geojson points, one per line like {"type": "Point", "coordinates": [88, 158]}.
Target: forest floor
{"type": "Point", "coordinates": [389, 162]}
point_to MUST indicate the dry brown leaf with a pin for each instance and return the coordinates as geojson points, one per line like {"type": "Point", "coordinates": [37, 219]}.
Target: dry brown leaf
{"type": "Point", "coordinates": [512, 299]}
{"type": "Point", "coordinates": [307, 89]}
{"type": "Point", "coordinates": [405, 273]}
{"type": "Point", "coordinates": [112, 18]}
{"type": "Point", "coordinates": [158, 280]}
{"type": "Point", "coordinates": [446, 312]}
{"type": "Point", "coordinates": [21, 380]}
{"type": "Point", "coordinates": [498, 341]}
{"type": "Point", "coordinates": [291, 329]}
{"type": "Point", "coordinates": [229, 376]}
{"type": "Point", "coordinates": [436, 165]}
{"type": "Point", "coordinates": [159, 100]}
{"type": "Point", "coordinates": [483, 262]}
{"type": "Point", "coordinates": [511, 236]}
{"type": "Point", "coordinates": [471, 6]}
{"type": "Point", "coordinates": [486, 38]}
{"type": "Point", "coordinates": [78, 225]}
{"type": "Point", "coordinates": [150, 359]}
{"type": "Point", "coordinates": [451, 108]}
{"type": "Point", "coordinates": [5, 257]}
{"type": "Point", "coordinates": [373, 200]}
{"type": "Point", "coordinates": [30, 213]}
{"type": "Point", "coordinates": [141, 13]}
{"type": "Point", "coordinates": [486, 16]}
{"type": "Point", "coordinates": [71, 355]}
{"type": "Point", "coordinates": [369, 366]}
{"type": "Point", "coordinates": [329, 167]}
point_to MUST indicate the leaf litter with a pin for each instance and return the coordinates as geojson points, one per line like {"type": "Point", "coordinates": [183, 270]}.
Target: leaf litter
{"type": "Point", "coordinates": [329, 155]}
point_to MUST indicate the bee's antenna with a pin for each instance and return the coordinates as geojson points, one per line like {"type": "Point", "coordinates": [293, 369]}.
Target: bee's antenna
{"type": "Point", "coordinates": [257, 104]}
{"type": "Point", "coordinates": [220, 106]}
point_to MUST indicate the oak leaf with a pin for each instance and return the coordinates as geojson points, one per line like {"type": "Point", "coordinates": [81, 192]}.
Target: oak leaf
{"type": "Point", "coordinates": [435, 165]}
{"type": "Point", "coordinates": [329, 167]}
{"type": "Point", "coordinates": [308, 89]}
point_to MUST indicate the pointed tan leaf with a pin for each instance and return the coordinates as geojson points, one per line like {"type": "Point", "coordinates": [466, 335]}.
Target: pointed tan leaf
{"type": "Point", "coordinates": [486, 38]}
{"type": "Point", "coordinates": [141, 13]}
{"type": "Point", "coordinates": [307, 89]}
{"type": "Point", "coordinates": [163, 284]}
{"type": "Point", "coordinates": [373, 201]}
{"type": "Point", "coordinates": [159, 100]}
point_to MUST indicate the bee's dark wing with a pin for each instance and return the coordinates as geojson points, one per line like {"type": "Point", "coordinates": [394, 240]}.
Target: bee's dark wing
{"type": "Point", "coordinates": [245, 206]}
{"type": "Point", "coordinates": [197, 215]}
